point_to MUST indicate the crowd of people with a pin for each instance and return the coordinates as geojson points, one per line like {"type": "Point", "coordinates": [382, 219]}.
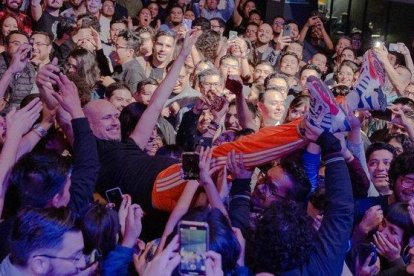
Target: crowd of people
{"type": "Point", "coordinates": [304, 144]}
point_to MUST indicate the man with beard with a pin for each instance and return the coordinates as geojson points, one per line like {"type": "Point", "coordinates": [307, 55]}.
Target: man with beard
{"type": "Point", "coordinates": [13, 7]}
{"type": "Point", "coordinates": [175, 26]}
{"type": "Point", "coordinates": [42, 47]}
{"type": "Point", "coordinates": [129, 69]}
{"type": "Point", "coordinates": [47, 20]}
{"type": "Point", "coordinates": [210, 10]}
{"type": "Point", "coordinates": [164, 44]}
{"type": "Point", "coordinates": [263, 49]}
{"type": "Point", "coordinates": [77, 8]}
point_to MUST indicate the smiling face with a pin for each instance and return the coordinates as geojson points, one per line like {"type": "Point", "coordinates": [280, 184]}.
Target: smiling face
{"type": "Point", "coordinates": [378, 166]}
{"type": "Point", "coordinates": [272, 107]}
{"type": "Point", "coordinates": [103, 118]}
{"type": "Point", "coordinates": [153, 8]}
{"type": "Point", "coordinates": [14, 5]}
{"type": "Point", "coordinates": [346, 76]}
{"type": "Point", "coordinates": [9, 24]}
{"type": "Point", "coordinates": [108, 8]}
{"type": "Point", "coordinates": [41, 47]}
{"type": "Point", "coordinates": [163, 48]}
{"type": "Point", "coordinates": [120, 98]}
{"type": "Point", "coordinates": [404, 188]}
{"type": "Point", "coordinates": [264, 33]}
{"type": "Point", "coordinates": [54, 4]}
{"type": "Point", "coordinates": [289, 65]}
{"type": "Point", "coordinates": [93, 6]}
{"type": "Point", "coordinates": [176, 16]}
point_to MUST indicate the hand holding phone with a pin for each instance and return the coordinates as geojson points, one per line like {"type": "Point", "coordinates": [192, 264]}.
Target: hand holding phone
{"type": "Point", "coordinates": [114, 196]}
{"type": "Point", "coordinates": [194, 237]}
{"type": "Point", "coordinates": [190, 166]}
{"type": "Point", "coordinates": [287, 30]}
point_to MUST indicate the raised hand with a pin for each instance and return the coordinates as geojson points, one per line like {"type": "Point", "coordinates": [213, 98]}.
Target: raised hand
{"type": "Point", "coordinates": [46, 78]}
{"type": "Point", "coordinates": [213, 264]}
{"type": "Point", "coordinates": [20, 58]}
{"type": "Point", "coordinates": [189, 41]}
{"type": "Point", "coordinates": [21, 121]}
{"type": "Point", "coordinates": [388, 248]}
{"type": "Point", "coordinates": [133, 225]}
{"type": "Point", "coordinates": [165, 262]}
{"type": "Point", "coordinates": [234, 83]}
{"type": "Point", "coordinates": [372, 219]}
{"type": "Point", "coordinates": [204, 165]}
{"type": "Point", "coordinates": [68, 96]}
{"type": "Point", "coordinates": [236, 166]}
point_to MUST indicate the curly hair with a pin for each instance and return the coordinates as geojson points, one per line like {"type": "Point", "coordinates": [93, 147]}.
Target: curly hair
{"type": "Point", "coordinates": [302, 186]}
{"type": "Point", "coordinates": [207, 44]}
{"type": "Point", "coordinates": [403, 139]}
{"type": "Point", "coordinates": [401, 166]}
{"type": "Point", "coordinates": [284, 238]}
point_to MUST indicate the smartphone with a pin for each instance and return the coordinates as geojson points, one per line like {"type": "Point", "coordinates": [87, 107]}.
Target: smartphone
{"type": "Point", "coordinates": [216, 102]}
{"type": "Point", "coordinates": [190, 165]}
{"type": "Point", "coordinates": [194, 238]}
{"type": "Point", "coordinates": [187, 24]}
{"type": "Point", "coordinates": [377, 44]}
{"type": "Point", "coordinates": [114, 196]}
{"type": "Point", "coordinates": [286, 30]}
{"type": "Point", "coordinates": [364, 250]}
{"type": "Point", "coordinates": [152, 250]}
{"type": "Point", "coordinates": [382, 115]}
{"type": "Point", "coordinates": [393, 47]}
{"type": "Point", "coordinates": [233, 35]}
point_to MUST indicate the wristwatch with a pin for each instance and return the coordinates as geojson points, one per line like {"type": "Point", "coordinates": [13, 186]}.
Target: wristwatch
{"type": "Point", "coordinates": [39, 130]}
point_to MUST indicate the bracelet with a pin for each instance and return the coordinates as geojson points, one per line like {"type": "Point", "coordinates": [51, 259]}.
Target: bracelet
{"type": "Point", "coordinates": [39, 130]}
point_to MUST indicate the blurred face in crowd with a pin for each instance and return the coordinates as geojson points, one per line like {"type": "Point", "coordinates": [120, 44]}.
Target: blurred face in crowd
{"type": "Point", "coordinates": [272, 107]}
{"type": "Point", "coordinates": [84, 39]}
{"type": "Point", "coordinates": [146, 46]}
{"type": "Point", "coordinates": [176, 16]}
{"type": "Point", "coordinates": [279, 83]}
{"type": "Point", "coordinates": [391, 231]}
{"type": "Point", "coordinates": [251, 33]}
{"type": "Point", "coordinates": [153, 8]}
{"type": "Point", "coordinates": [397, 145]}
{"type": "Point", "coordinates": [144, 96]}
{"type": "Point", "coordinates": [261, 72]}
{"type": "Point", "coordinates": [255, 18]}
{"type": "Point", "coordinates": [204, 121]}
{"type": "Point", "coordinates": [277, 25]}
{"type": "Point", "coordinates": [228, 67]}
{"type": "Point", "coordinates": [295, 48]}
{"type": "Point", "coordinates": [71, 248]}
{"type": "Point", "coordinates": [154, 143]}
{"type": "Point", "coordinates": [182, 81]}
{"type": "Point", "coordinates": [144, 17]}
{"type": "Point", "coordinates": [72, 65]}
{"type": "Point", "coordinates": [211, 4]}
{"type": "Point", "coordinates": [14, 5]}
{"type": "Point", "coordinates": [378, 166]}
{"type": "Point", "coordinates": [215, 26]}
{"type": "Point", "coordinates": [54, 4]}
{"type": "Point", "coordinates": [276, 187]}
{"type": "Point", "coordinates": [189, 14]}
{"type": "Point", "coordinates": [320, 61]}
{"type": "Point", "coordinates": [41, 47]}
{"type": "Point", "coordinates": [232, 121]}
{"type": "Point", "coordinates": [9, 24]}
{"type": "Point", "coordinates": [103, 118]}
{"type": "Point", "coordinates": [121, 98]}
{"type": "Point", "coordinates": [76, 3]}
{"type": "Point", "coordinates": [297, 112]}
{"type": "Point", "coordinates": [305, 75]}
{"type": "Point", "coordinates": [163, 48]}
{"type": "Point", "coordinates": [346, 76]}
{"type": "Point", "coordinates": [294, 31]}
{"type": "Point", "coordinates": [264, 33]}
{"type": "Point", "coordinates": [289, 65]}
{"type": "Point", "coordinates": [347, 54]}
{"type": "Point", "coordinates": [404, 188]}
{"type": "Point", "coordinates": [248, 6]}
{"type": "Point", "coordinates": [15, 41]}
{"type": "Point", "coordinates": [211, 84]}
{"type": "Point", "coordinates": [342, 43]}
{"type": "Point", "coordinates": [124, 54]}
{"type": "Point", "coordinates": [93, 6]}
{"type": "Point", "coordinates": [108, 8]}
{"type": "Point", "coordinates": [356, 41]}
{"type": "Point", "coordinates": [115, 29]}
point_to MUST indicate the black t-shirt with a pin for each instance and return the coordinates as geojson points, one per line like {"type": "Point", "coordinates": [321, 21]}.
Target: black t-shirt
{"type": "Point", "coordinates": [125, 165]}
{"type": "Point", "coordinates": [48, 23]}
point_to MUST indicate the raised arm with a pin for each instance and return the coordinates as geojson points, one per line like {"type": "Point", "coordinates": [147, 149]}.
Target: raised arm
{"type": "Point", "coordinates": [148, 120]}
{"type": "Point", "coordinates": [36, 9]}
{"type": "Point", "coordinates": [17, 64]}
{"type": "Point", "coordinates": [18, 123]}
{"type": "Point", "coordinates": [237, 18]}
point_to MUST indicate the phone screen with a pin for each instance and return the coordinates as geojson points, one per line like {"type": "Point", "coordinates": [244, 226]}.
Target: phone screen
{"type": "Point", "coordinates": [114, 196]}
{"type": "Point", "coordinates": [286, 30]}
{"type": "Point", "coordinates": [193, 247]}
{"type": "Point", "coordinates": [190, 165]}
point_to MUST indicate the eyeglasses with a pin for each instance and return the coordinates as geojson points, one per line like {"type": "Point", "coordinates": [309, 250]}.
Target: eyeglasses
{"type": "Point", "coordinates": [211, 84]}
{"type": "Point", "coordinates": [232, 66]}
{"type": "Point", "coordinates": [75, 260]}
{"type": "Point", "coordinates": [38, 44]}
{"type": "Point", "coordinates": [407, 182]}
{"type": "Point", "coordinates": [268, 191]}
{"type": "Point", "coordinates": [116, 46]}
{"type": "Point", "coordinates": [18, 43]}
{"type": "Point", "coordinates": [279, 23]}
